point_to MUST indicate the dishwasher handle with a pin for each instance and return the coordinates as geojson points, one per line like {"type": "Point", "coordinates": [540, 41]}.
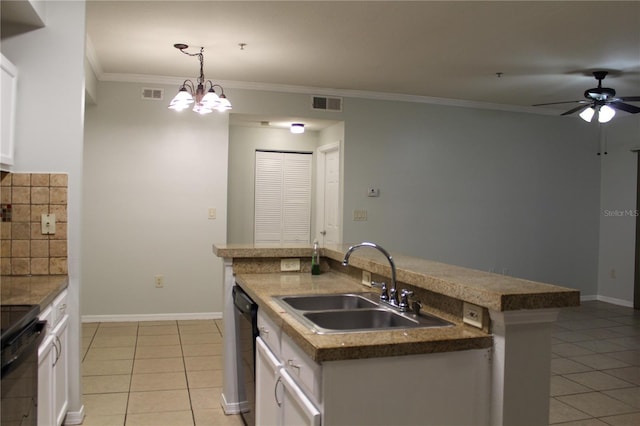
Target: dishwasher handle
{"type": "Point", "coordinates": [243, 302]}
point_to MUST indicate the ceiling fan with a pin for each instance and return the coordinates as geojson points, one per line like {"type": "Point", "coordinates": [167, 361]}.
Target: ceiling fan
{"type": "Point", "coordinates": [601, 100]}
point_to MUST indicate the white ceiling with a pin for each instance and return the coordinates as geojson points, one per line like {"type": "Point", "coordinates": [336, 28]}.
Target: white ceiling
{"type": "Point", "coordinates": [545, 50]}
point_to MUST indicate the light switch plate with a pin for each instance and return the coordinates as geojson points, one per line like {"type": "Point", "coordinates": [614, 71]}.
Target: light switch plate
{"type": "Point", "coordinates": [359, 215]}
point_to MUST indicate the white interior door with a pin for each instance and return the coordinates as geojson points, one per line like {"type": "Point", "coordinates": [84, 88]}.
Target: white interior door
{"type": "Point", "coordinates": [329, 206]}
{"type": "Point", "coordinates": [282, 197]}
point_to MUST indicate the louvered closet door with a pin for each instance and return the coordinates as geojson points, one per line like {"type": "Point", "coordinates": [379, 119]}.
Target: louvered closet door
{"type": "Point", "coordinates": [282, 197]}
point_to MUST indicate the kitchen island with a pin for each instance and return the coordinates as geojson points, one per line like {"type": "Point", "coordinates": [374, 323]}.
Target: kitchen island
{"type": "Point", "coordinates": [513, 326]}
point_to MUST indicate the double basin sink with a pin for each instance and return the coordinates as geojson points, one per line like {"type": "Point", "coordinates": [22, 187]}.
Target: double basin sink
{"type": "Point", "coordinates": [352, 312]}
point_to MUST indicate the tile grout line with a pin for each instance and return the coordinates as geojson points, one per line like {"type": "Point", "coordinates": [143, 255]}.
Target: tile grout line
{"type": "Point", "coordinates": [186, 376]}
{"type": "Point", "coordinates": [133, 363]}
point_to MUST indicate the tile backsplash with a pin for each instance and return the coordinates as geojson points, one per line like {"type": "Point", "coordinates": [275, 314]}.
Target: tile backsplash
{"type": "Point", "coordinates": [25, 197]}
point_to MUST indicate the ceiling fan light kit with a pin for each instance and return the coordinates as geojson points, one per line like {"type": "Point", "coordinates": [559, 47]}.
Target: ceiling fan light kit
{"type": "Point", "coordinates": [600, 100]}
{"type": "Point", "coordinates": [204, 100]}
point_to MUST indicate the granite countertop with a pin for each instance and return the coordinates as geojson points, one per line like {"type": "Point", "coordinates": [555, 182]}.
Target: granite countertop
{"type": "Point", "coordinates": [358, 345]}
{"type": "Point", "coordinates": [31, 290]}
{"type": "Point", "coordinates": [492, 291]}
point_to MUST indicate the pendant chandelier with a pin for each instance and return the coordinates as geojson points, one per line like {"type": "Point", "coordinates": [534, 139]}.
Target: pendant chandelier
{"type": "Point", "coordinates": [204, 101]}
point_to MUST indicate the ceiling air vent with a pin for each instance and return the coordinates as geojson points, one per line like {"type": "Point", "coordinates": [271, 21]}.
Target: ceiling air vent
{"type": "Point", "coordinates": [326, 103]}
{"type": "Point", "coordinates": [152, 94]}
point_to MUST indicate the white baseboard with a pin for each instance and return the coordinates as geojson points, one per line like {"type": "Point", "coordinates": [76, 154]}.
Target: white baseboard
{"type": "Point", "coordinates": [233, 408]}
{"type": "Point", "coordinates": [151, 317]}
{"type": "Point", "coordinates": [612, 300]}
{"type": "Point", "coordinates": [588, 298]}
{"type": "Point", "coordinates": [74, 417]}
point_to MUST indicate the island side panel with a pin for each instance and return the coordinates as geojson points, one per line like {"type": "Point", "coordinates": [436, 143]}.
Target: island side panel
{"type": "Point", "coordinates": [430, 390]}
{"type": "Point", "coordinates": [521, 366]}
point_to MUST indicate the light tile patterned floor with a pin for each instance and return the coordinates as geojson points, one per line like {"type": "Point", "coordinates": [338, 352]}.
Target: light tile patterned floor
{"type": "Point", "coordinates": [595, 366]}
{"type": "Point", "coordinates": [170, 372]}
{"type": "Point", "coordinates": [153, 373]}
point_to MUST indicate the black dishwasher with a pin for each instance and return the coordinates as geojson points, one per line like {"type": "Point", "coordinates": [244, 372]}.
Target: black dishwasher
{"type": "Point", "coordinates": [22, 333]}
{"type": "Point", "coordinates": [246, 333]}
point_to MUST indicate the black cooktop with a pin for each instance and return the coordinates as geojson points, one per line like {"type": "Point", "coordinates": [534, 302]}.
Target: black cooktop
{"type": "Point", "coordinates": [14, 318]}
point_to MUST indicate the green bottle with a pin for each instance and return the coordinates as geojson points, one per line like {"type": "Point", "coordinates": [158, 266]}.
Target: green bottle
{"type": "Point", "coordinates": [315, 259]}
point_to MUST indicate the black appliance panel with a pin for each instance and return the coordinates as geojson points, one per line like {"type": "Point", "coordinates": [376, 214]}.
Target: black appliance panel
{"type": "Point", "coordinates": [246, 333]}
{"type": "Point", "coordinates": [22, 333]}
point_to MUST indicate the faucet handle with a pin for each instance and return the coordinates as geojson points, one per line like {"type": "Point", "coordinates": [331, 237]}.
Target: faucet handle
{"type": "Point", "coordinates": [384, 293]}
{"type": "Point", "coordinates": [393, 296]}
{"type": "Point", "coordinates": [416, 305]}
{"type": "Point", "coordinates": [404, 299]}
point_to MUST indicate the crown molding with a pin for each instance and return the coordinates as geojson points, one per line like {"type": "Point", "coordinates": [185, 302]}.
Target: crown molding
{"type": "Point", "coordinates": [283, 88]}
{"type": "Point", "coordinates": [92, 58]}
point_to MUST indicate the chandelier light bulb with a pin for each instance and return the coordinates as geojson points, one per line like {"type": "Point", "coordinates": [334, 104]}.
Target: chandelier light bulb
{"type": "Point", "coordinates": [205, 100]}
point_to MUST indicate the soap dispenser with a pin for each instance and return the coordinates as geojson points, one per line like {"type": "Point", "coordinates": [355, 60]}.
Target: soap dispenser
{"type": "Point", "coordinates": [315, 259]}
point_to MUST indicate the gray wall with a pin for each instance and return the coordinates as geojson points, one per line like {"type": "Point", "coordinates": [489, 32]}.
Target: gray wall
{"type": "Point", "coordinates": [618, 209]}
{"type": "Point", "coordinates": [508, 192]}
{"type": "Point", "coordinates": [151, 175]}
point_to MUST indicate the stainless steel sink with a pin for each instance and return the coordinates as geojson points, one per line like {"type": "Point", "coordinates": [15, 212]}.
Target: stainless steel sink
{"type": "Point", "coordinates": [352, 312]}
{"type": "Point", "coordinates": [362, 319]}
{"type": "Point", "coordinates": [323, 302]}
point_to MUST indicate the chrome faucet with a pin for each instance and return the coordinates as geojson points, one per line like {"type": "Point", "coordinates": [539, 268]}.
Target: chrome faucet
{"type": "Point", "coordinates": [393, 294]}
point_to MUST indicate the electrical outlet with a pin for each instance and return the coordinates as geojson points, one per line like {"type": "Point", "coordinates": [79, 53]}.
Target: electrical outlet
{"type": "Point", "coordinates": [366, 278]}
{"type": "Point", "coordinates": [287, 265]}
{"type": "Point", "coordinates": [472, 315]}
{"type": "Point", "coordinates": [159, 280]}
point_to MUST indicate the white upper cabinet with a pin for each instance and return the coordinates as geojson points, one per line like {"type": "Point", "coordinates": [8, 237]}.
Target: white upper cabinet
{"type": "Point", "coordinates": [8, 112]}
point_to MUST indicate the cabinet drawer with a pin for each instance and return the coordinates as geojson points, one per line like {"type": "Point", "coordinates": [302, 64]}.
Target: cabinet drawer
{"type": "Point", "coordinates": [59, 307]}
{"type": "Point", "coordinates": [302, 368]}
{"type": "Point", "coordinates": [269, 332]}
{"type": "Point", "coordinates": [47, 315]}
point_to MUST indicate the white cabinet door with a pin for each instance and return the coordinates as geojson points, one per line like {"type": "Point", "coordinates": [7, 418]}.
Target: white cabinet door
{"type": "Point", "coordinates": [279, 399]}
{"type": "Point", "coordinates": [297, 408]}
{"type": "Point", "coordinates": [268, 402]}
{"type": "Point", "coordinates": [46, 357]}
{"type": "Point", "coordinates": [9, 75]}
{"type": "Point", "coordinates": [61, 371]}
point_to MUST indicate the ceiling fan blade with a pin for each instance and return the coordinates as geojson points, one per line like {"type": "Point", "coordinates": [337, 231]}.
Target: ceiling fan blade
{"type": "Point", "coordinates": [576, 109]}
{"type": "Point", "coordinates": [630, 99]}
{"type": "Point", "coordinates": [556, 103]}
{"type": "Point", "coordinates": [625, 107]}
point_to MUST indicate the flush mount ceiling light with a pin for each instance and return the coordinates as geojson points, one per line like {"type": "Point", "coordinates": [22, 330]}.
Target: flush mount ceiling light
{"type": "Point", "coordinates": [297, 128]}
{"type": "Point", "coordinates": [205, 101]}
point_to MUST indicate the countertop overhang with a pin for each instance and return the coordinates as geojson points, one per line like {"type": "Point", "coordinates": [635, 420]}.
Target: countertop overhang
{"type": "Point", "coordinates": [492, 291]}
{"type": "Point", "coordinates": [31, 289]}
